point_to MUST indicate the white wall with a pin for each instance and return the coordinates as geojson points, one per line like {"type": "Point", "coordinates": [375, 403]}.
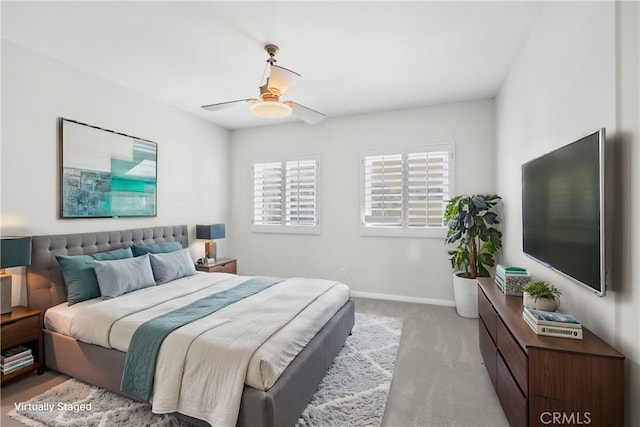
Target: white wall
{"type": "Point", "coordinates": [416, 268]}
{"type": "Point", "coordinates": [577, 72]}
{"type": "Point", "coordinates": [193, 155]}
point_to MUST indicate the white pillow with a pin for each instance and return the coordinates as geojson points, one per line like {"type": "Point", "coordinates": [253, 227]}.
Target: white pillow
{"type": "Point", "coordinates": [121, 276]}
{"type": "Point", "coordinates": [171, 265]}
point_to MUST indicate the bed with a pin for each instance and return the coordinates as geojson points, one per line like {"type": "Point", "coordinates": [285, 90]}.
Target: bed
{"type": "Point", "coordinates": [279, 405]}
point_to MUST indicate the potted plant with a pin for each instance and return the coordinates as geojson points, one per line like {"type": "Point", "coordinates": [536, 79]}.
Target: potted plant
{"type": "Point", "coordinates": [541, 296]}
{"type": "Point", "coordinates": [471, 221]}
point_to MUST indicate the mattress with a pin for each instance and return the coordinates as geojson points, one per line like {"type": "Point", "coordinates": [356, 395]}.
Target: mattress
{"type": "Point", "coordinates": [267, 363]}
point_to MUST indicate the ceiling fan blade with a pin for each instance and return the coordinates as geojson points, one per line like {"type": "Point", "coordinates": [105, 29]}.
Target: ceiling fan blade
{"type": "Point", "coordinates": [281, 78]}
{"type": "Point", "coordinates": [307, 114]}
{"type": "Point", "coordinates": [222, 105]}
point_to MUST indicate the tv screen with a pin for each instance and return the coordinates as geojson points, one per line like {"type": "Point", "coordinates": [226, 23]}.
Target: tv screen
{"type": "Point", "coordinates": [563, 210]}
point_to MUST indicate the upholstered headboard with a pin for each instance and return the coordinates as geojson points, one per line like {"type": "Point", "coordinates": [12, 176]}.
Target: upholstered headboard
{"type": "Point", "coordinates": [45, 285]}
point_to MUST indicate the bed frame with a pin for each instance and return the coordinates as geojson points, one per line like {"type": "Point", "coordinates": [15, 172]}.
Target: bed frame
{"type": "Point", "coordinates": [279, 406]}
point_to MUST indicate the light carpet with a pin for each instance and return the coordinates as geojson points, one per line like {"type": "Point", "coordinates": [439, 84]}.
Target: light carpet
{"type": "Point", "coordinates": [353, 392]}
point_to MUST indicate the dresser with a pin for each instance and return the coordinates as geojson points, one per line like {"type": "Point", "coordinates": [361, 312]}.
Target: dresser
{"type": "Point", "coordinates": [540, 380]}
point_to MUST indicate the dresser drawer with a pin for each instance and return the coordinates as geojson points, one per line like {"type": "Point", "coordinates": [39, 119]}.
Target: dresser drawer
{"type": "Point", "coordinates": [488, 351]}
{"type": "Point", "coordinates": [513, 402]}
{"type": "Point", "coordinates": [226, 267]}
{"type": "Point", "coordinates": [513, 355]}
{"type": "Point", "coordinates": [487, 313]}
{"type": "Point", "coordinates": [20, 331]}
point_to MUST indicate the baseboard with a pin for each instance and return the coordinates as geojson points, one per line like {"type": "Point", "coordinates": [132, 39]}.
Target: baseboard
{"type": "Point", "coordinates": [403, 298]}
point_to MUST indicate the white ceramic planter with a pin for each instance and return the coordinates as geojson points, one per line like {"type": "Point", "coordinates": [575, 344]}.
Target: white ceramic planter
{"type": "Point", "coordinates": [545, 304]}
{"type": "Point", "coordinates": [527, 301]}
{"type": "Point", "coordinates": [465, 294]}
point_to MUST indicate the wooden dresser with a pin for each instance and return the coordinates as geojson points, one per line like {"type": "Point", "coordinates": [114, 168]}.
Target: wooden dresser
{"type": "Point", "coordinates": [542, 381]}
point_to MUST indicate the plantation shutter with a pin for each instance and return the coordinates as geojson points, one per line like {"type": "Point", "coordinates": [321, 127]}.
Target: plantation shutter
{"type": "Point", "coordinates": [427, 188]}
{"type": "Point", "coordinates": [267, 193]}
{"type": "Point", "coordinates": [301, 192]}
{"type": "Point", "coordinates": [404, 190]}
{"type": "Point", "coordinates": [286, 195]}
{"type": "Point", "coordinates": [383, 190]}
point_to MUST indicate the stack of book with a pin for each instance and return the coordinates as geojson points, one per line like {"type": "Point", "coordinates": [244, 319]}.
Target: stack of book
{"type": "Point", "coordinates": [511, 279]}
{"type": "Point", "coordinates": [15, 358]}
{"type": "Point", "coordinates": [552, 324]}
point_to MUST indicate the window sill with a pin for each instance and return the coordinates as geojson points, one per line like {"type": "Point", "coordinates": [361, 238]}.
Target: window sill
{"type": "Point", "coordinates": [434, 233]}
{"type": "Point", "coordinates": [286, 230]}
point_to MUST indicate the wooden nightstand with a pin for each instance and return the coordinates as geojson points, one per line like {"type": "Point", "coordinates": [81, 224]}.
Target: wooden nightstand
{"type": "Point", "coordinates": [23, 326]}
{"type": "Point", "coordinates": [222, 265]}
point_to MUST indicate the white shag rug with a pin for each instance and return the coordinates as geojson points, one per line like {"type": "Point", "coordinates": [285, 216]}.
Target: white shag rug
{"type": "Point", "coordinates": [353, 393]}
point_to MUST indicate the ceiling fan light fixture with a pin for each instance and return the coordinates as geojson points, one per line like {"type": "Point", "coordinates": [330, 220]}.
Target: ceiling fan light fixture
{"type": "Point", "coordinates": [269, 106]}
{"type": "Point", "coordinates": [271, 109]}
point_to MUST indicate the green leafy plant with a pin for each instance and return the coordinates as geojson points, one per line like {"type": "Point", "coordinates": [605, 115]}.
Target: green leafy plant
{"type": "Point", "coordinates": [471, 224]}
{"type": "Point", "coordinates": [539, 289]}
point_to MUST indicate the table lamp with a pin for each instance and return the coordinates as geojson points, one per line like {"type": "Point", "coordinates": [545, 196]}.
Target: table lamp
{"type": "Point", "coordinates": [210, 232]}
{"type": "Point", "coordinates": [14, 252]}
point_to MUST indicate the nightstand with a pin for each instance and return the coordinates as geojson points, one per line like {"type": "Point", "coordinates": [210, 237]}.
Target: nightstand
{"type": "Point", "coordinates": [23, 326]}
{"type": "Point", "coordinates": [222, 265]}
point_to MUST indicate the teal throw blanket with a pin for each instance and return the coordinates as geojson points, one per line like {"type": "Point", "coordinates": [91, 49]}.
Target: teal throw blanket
{"type": "Point", "coordinates": [140, 364]}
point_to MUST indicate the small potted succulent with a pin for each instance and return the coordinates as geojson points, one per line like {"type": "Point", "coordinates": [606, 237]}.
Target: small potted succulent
{"type": "Point", "coordinates": [541, 296]}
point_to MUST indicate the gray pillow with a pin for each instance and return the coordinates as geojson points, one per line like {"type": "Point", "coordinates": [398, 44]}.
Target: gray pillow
{"type": "Point", "coordinates": [121, 276]}
{"type": "Point", "coordinates": [171, 266]}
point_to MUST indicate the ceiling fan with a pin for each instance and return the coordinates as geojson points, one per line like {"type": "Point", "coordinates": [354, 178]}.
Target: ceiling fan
{"type": "Point", "coordinates": [269, 104]}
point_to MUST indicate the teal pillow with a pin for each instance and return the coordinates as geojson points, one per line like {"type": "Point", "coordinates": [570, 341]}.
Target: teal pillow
{"type": "Point", "coordinates": [114, 254]}
{"type": "Point", "coordinates": [120, 276]}
{"type": "Point", "coordinates": [79, 277]}
{"type": "Point", "coordinates": [157, 248]}
{"type": "Point", "coordinates": [79, 274]}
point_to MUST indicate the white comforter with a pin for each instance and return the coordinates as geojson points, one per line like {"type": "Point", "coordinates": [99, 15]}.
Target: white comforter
{"type": "Point", "coordinates": [202, 367]}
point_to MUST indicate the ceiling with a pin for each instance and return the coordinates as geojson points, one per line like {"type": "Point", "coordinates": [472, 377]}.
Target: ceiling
{"type": "Point", "coordinates": [354, 57]}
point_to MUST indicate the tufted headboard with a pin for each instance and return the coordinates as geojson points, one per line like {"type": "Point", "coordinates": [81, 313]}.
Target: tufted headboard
{"type": "Point", "coordinates": [45, 285]}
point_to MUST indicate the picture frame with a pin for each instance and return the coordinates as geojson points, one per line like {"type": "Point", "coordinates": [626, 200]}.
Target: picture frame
{"type": "Point", "coordinates": [105, 174]}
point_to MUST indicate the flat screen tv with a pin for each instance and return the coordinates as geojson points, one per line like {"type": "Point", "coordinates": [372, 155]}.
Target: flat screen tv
{"type": "Point", "coordinates": [563, 210]}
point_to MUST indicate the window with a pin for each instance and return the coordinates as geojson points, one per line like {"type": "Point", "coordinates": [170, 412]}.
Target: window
{"type": "Point", "coordinates": [286, 195]}
{"type": "Point", "coordinates": [404, 191]}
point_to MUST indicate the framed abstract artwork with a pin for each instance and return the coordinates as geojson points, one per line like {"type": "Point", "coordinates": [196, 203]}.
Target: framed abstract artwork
{"type": "Point", "coordinates": [105, 174]}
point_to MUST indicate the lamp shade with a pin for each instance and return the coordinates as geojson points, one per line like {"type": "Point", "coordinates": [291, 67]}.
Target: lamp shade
{"type": "Point", "coordinates": [210, 232]}
{"type": "Point", "coordinates": [15, 251]}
